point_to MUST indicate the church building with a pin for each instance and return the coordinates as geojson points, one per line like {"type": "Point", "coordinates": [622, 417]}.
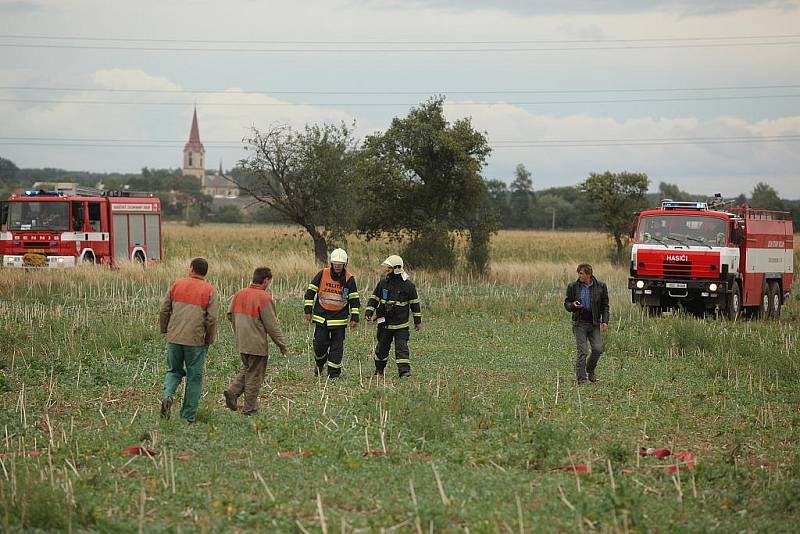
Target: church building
{"type": "Point", "coordinates": [194, 158]}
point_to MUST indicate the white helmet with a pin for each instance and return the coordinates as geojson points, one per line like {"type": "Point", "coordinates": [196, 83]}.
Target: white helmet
{"type": "Point", "coordinates": [339, 256]}
{"type": "Point", "coordinates": [395, 262]}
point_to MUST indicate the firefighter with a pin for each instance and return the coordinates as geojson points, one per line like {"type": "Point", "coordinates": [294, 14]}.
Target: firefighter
{"type": "Point", "coordinates": [188, 317]}
{"type": "Point", "coordinates": [254, 317]}
{"type": "Point", "coordinates": [331, 303]}
{"type": "Point", "coordinates": [393, 298]}
{"type": "Point", "coordinates": [587, 300]}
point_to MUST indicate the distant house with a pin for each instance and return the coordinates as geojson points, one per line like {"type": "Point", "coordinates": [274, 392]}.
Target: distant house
{"type": "Point", "coordinates": [218, 186]}
{"type": "Point", "coordinates": [194, 155]}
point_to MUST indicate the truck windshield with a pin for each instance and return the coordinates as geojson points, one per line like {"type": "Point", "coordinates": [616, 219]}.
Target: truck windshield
{"type": "Point", "coordinates": [38, 216]}
{"type": "Point", "coordinates": [682, 229]}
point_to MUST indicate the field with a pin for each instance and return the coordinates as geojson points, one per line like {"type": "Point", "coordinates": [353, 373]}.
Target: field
{"type": "Point", "coordinates": [474, 441]}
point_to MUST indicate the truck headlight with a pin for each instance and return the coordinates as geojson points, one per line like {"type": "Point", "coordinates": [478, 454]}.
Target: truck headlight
{"type": "Point", "coordinates": [712, 287]}
{"type": "Point", "coordinates": [640, 284]}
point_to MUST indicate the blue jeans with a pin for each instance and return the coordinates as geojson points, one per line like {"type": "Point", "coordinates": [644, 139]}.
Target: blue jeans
{"type": "Point", "coordinates": [587, 334]}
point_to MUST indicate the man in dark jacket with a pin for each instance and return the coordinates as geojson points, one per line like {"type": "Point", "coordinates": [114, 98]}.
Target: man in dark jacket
{"type": "Point", "coordinates": [393, 298]}
{"type": "Point", "coordinates": [587, 300]}
{"type": "Point", "coordinates": [331, 302]}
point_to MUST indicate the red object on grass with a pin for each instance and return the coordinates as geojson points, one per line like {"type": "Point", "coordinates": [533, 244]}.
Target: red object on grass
{"type": "Point", "coordinates": [35, 453]}
{"type": "Point", "coordinates": [183, 457]}
{"type": "Point", "coordinates": [137, 450]}
{"type": "Point", "coordinates": [658, 453]}
{"type": "Point", "coordinates": [684, 458]}
{"type": "Point", "coordinates": [576, 468]}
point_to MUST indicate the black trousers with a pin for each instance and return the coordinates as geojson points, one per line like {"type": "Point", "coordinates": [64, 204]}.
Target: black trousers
{"type": "Point", "coordinates": [402, 357]}
{"type": "Point", "coordinates": [329, 347]}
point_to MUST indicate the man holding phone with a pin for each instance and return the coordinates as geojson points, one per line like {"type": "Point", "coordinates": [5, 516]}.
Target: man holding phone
{"type": "Point", "coordinates": [587, 300]}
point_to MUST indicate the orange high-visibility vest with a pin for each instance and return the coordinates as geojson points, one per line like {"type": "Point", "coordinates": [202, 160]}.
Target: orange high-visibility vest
{"type": "Point", "coordinates": [331, 292]}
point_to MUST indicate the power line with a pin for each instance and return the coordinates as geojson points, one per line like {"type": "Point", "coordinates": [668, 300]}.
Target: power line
{"type": "Point", "coordinates": [583, 140]}
{"type": "Point", "coordinates": [403, 104]}
{"type": "Point", "coordinates": [386, 93]}
{"type": "Point", "coordinates": [397, 42]}
{"type": "Point", "coordinates": [397, 50]}
{"type": "Point", "coordinates": [500, 144]}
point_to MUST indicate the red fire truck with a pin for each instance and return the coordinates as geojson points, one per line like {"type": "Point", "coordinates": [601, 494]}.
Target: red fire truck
{"type": "Point", "coordinates": [704, 257]}
{"type": "Point", "coordinates": [69, 224]}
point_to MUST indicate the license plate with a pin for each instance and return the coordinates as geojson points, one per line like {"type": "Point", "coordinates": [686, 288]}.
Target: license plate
{"type": "Point", "coordinates": [35, 251]}
{"type": "Point", "coordinates": [676, 285]}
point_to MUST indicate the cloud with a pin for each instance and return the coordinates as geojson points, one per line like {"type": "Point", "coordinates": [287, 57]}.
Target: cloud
{"type": "Point", "coordinates": [698, 166]}
{"type": "Point", "coordinates": [131, 79]}
{"type": "Point", "coordinates": [18, 7]}
{"type": "Point", "coordinates": [135, 117]}
{"type": "Point", "coordinates": [593, 7]}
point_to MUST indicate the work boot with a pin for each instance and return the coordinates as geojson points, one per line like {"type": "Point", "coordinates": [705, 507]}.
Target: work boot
{"type": "Point", "coordinates": [405, 373]}
{"type": "Point", "coordinates": [581, 381]}
{"type": "Point", "coordinates": [166, 407]}
{"type": "Point", "coordinates": [318, 370]}
{"type": "Point", "coordinates": [378, 371]}
{"type": "Point", "coordinates": [592, 377]}
{"type": "Point", "coordinates": [230, 400]}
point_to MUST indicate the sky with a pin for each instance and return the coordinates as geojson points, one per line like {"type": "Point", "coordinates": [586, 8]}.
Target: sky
{"type": "Point", "coordinates": [700, 94]}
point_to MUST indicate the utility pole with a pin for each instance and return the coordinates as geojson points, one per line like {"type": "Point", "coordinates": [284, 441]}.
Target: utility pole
{"type": "Point", "coordinates": [553, 226]}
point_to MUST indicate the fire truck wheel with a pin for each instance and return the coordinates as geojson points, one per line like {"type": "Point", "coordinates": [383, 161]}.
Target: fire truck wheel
{"type": "Point", "coordinates": [138, 258]}
{"type": "Point", "coordinates": [764, 310]}
{"type": "Point", "coordinates": [774, 300]}
{"type": "Point", "coordinates": [734, 302]}
{"type": "Point", "coordinates": [88, 259]}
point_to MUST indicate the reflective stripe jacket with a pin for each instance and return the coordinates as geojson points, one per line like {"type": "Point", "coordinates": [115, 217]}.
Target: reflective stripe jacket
{"type": "Point", "coordinates": [392, 299]}
{"type": "Point", "coordinates": [188, 312]}
{"type": "Point", "coordinates": [254, 317]}
{"type": "Point", "coordinates": [332, 319]}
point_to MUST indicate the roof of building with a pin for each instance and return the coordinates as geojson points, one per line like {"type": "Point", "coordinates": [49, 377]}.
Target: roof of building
{"type": "Point", "coordinates": [194, 133]}
{"type": "Point", "coordinates": [219, 181]}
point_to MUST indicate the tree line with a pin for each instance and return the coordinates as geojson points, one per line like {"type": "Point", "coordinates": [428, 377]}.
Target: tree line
{"type": "Point", "coordinates": [419, 183]}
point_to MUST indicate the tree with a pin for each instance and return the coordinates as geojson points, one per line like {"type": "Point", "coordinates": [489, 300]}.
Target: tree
{"type": "Point", "coordinates": [521, 197]}
{"type": "Point", "coordinates": [8, 177]}
{"type": "Point", "coordinates": [617, 197]}
{"type": "Point", "coordinates": [8, 172]}
{"type": "Point", "coordinates": [673, 192]}
{"type": "Point", "coordinates": [764, 196]}
{"type": "Point", "coordinates": [423, 179]}
{"type": "Point", "coordinates": [306, 176]}
{"type": "Point", "coordinates": [498, 199]}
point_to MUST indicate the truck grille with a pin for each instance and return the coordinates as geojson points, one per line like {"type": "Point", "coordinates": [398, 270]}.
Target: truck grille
{"type": "Point", "coordinates": [677, 270]}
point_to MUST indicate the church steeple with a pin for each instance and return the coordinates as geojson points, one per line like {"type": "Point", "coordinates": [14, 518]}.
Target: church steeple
{"type": "Point", "coordinates": [194, 152]}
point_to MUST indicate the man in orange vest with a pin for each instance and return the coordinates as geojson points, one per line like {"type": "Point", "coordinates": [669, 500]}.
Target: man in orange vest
{"type": "Point", "coordinates": [188, 317]}
{"type": "Point", "coordinates": [331, 303]}
{"type": "Point", "coordinates": [254, 317]}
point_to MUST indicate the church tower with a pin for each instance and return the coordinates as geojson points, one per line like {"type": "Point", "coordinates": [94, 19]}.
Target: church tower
{"type": "Point", "coordinates": [194, 154]}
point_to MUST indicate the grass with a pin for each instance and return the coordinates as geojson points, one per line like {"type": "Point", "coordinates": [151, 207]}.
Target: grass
{"type": "Point", "coordinates": [474, 440]}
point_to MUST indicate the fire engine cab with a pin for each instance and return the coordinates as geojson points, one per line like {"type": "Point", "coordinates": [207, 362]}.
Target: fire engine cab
{"type": "Point", "coordinates": [70, 224]}
{"type": "Point", "coordinates": [704, 257]}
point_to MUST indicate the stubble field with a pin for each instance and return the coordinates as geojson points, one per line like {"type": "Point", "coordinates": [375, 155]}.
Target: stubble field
{"type": "Point", "coordinates": [476, 440]}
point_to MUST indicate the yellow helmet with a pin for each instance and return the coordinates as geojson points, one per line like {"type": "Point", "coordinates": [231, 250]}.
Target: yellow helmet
{"type": "Point", "coordinates": [339, 256]}
{"type": "Point", "coordinates": [395, 262]}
